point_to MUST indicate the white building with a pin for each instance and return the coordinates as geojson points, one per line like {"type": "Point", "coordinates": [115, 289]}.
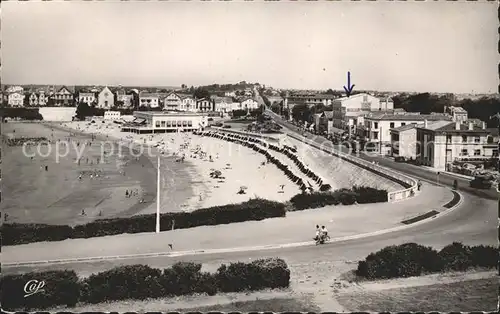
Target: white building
{"type": "Point", "coordinates": [16, 99]}
{"type": "Point", "coordinates": [33, 100]}
{"type": "Point", "coordinates": [105, 99]}
{"type": "Point", "coordinates": [459, 114]}
{"type": "Point", "coordinates": [162, 122]}
{"type": "Point", "coordinates": [42, 99]}
{"type": "Point", "coordinates": [188, 103]}
{"type": "Point", "coordinates": [249, 104]}
{"type": "Point", "coordinates": [205, 105]}
{"type": "Point", "coordinates": [441, 143]}
{"type": "Point", "coordinates": [307, 98]}
{"type": "Point", "coordinates": [223, 104]}
{"type": "Point", "coordinates": [346, 110]}
{"type": "Point", "coordinates": [150, 100]}
{"type": "Point", "coordinates": [88, 98]}
{"type": "Point", "coordinates": [112, 115]}
{"type": "Point", "coordinates": [377, 126]}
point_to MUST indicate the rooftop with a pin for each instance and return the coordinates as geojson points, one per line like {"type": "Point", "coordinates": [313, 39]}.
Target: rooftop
{"type": "Point", "coordinates": [167, 113]}
{"type": "Point", "coordinates": [408, 117]}
{"type": "Point", "coordinates": [448, 126]}
{"type": "Point", "coordinates": [406, 127]}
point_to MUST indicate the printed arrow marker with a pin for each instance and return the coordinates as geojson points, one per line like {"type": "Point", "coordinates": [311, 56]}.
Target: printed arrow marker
{"type": "Point", "coordinates": [349, 88]}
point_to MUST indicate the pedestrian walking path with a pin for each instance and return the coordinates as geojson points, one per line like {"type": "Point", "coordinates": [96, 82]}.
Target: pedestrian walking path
{"type": "Point", "coordinates": [341, 221]}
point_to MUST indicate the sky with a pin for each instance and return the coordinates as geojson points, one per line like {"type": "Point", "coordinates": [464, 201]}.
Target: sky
{"type": "Point", "coordinates": [387, 46]}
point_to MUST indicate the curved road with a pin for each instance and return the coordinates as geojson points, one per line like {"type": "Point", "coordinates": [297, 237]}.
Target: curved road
{"type": "Point", "coordinates": [474, 222]}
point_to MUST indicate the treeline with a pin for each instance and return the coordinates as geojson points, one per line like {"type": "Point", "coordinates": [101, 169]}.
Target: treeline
{"type": "Point", "coordinates": [426, 103]}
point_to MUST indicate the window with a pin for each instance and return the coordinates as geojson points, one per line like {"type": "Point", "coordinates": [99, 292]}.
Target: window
{"type": "Point", "coordinates": [477, 139]}
{"type": "Point", "coordinates": [365, 98]}
{"type": "Point", "coordinates": [448, 138]}
{"type": "Point", "coordinates": [391, 125]}
{"type": "Point", "coordinates": [190, 123]}
{"type": "Point", "coordinates": [464, 152]}
{"type": "Point", "coordinates": [169, 124]}
{"type": "Point", "coordinates": [375, 125]}
{"type": "Point", "coordinates": [157, 124]}
{"type": "Point", "coordinates": [163, 124]}
{"type": "Point", "coordinates": [179, 123]}
{"type": "Point", "coordinates": [477, 152]}
{"type": "Point", "coordinates": [184, 123]}
{"type": "Point", "coordinates": [464, 138]}
{"type": "Point", "coordinates": [375, 135]}
{"type": "Point", "coordinates": [403, 124]}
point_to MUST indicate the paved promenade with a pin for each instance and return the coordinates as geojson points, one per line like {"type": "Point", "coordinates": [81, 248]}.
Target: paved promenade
{"type": "Point", "coordinates": [296, 227]}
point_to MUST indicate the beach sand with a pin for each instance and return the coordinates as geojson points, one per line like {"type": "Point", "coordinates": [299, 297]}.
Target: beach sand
{"type": "Point", "coordinates": [240, 166]}
{"type": "Point", "coordinates": [58, 196]}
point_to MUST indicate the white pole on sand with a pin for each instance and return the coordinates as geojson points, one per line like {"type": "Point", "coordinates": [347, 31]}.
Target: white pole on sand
{"type": "Point", "coordinates": [158, 198]}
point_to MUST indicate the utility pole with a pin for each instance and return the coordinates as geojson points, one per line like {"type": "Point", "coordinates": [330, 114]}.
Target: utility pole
{"type": "Point", "coordinates": [158, 198]}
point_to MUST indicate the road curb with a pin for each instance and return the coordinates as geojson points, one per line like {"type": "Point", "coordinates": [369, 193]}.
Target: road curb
{"type": "Point", "coordinates": [234, 250]}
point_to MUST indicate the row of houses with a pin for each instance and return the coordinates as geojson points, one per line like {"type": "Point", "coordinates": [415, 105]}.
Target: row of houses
{"type": "Point", "coordinates": [107, 99]}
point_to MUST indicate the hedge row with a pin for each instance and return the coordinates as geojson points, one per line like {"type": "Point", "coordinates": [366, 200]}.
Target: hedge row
{"type": "Point", "coordinates": [358, 194]}
{"type": "Point", "coordinates": [256, 144]}
{"type": "Point", "coordinates": [411, 259]}
{"type": "Point", "coordinates": [254, 209]}
{"type": "Point", "coordinates": [142, 282]}
{"type": "Point", "coordinates": [20, 141]}
{"type": "Point", "coordinates": [22, 113]}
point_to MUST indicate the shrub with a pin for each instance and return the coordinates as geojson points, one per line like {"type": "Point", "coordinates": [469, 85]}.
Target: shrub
{"type": "Point", "coordinates": [456, 256]}
{"type": "Point", "coordinates": [340, 196]}
{"type": "Point", "coordinates": [404, 260]}
{"type": "Point", "coordinates": [325, 187]}
{"type": "Point", "coordinates": [254, 209]}
{"type": "Point", "coordinates": [369, 194]}
{"type": "Point", "coordinates": [260, 274]}
{"type": "Point", "coordinates": [124, 282]}
{"type": "Point", "coordinates": [61, 288]}
{"type": "Point", "coordinates": [484, 256]}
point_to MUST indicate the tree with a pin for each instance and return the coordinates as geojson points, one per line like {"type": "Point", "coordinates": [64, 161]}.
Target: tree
{"type": "Point", "coordinates": [201, 93]}
{"type": "Point", "coordinates": [302, 113]}
{"type": "Point", "coordinates": [183, 86]}
{"type": "Point", "coordinates": [83, 110]}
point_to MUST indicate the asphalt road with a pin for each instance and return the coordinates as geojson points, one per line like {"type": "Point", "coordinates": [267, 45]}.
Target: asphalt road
{"type": "Point", "coordinates": [474, 222]}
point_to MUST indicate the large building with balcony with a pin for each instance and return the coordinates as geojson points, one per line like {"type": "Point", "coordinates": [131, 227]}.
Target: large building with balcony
{"type": "Point", "coordinates": [149, 100]}
{"type": "Point", "coordinates": [348, 112]}
{"type": "Point", "coordinates": [441, 143]}
{"type": "Point", "coordinates": [377, 126]}
{"type": "Point", "coordinates": [294, 99]}
{"type": "Point", "coordinates": [163, 122]}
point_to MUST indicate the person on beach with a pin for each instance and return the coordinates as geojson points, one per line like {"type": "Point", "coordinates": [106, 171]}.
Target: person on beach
{"type": "Point", "coordinates": [419, 185]}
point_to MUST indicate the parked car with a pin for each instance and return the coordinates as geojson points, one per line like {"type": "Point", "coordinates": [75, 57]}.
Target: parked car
{"type": "Point", "coordinates": [480, 183]}
{"type": "Point", "coordinates": [399, 159]}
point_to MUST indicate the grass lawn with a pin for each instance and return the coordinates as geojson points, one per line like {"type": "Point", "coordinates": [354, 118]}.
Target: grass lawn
{"type": "Point", "coordinates": [271, 305]}
{"type": "Point", "coordinates": [464, 296]}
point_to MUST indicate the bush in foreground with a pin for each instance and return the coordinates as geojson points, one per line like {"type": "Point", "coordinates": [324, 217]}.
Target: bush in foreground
{"type": "Point", "coordinates": [142, 282]}
{"type": "Point", "coordinates": [254, 209]}
{"type": "Point", "coordinates": [411, 259]}
{"type": "Point", "coordinates": [60, 287]}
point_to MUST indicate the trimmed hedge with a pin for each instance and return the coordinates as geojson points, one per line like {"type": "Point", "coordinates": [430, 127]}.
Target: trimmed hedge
{"type": "Point", "coordinates": [254, 209]}
{"type": "Point", "coordinates": [411, 259]}
{"type": "Point", "coordinates": [61, 287]}
{"type": "Point", "coordinates": [360, 195]}
{"type": "Point", "coordinates": [142, 282]}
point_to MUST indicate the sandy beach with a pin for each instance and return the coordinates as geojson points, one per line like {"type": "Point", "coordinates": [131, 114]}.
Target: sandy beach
{"type": "Point", "coordinates": [239, 166]}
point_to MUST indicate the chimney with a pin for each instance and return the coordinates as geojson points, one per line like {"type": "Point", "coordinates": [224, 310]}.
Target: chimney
{"type": "Point", "coordinates": [484, 125]}
{"type": "Point", "coordinates": [425, 124]}
{"type": "Point", "coordinates": [471, 126]}
{"type": "Point", "coordinates": [457, 125]}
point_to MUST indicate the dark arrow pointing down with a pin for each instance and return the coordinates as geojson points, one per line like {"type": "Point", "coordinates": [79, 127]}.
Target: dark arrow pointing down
{"type": "Point", "coordinates": [349, 87]}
